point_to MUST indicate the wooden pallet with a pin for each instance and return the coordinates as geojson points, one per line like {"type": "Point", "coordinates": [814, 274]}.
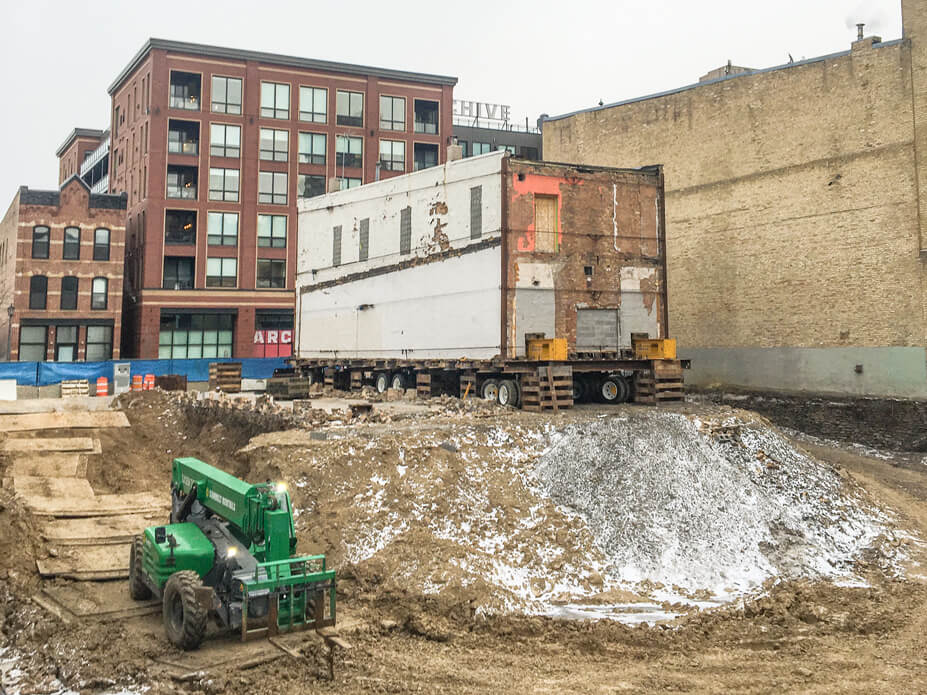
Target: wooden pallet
{"type": "Point", "coordinates": [328, 376]}
{"type": "Point", "coordinates": [663, 383]}
{"type": "Point", "coordinates": [423, 384]}
{"type": "Point", "coordinates": [468, 379]}
{"type": "Point", "coordinates": [549, 387]}
{"type": "Point", "coordinates": [225, 376]}
{"type": "Point", "coordinates": [71, 388]}
{"type": "Point", "coordinates": [288, 387]}
{"type": "Point", "coordinates": [357, 379]}
{"type": "Point", "coordinates": [171, 382]}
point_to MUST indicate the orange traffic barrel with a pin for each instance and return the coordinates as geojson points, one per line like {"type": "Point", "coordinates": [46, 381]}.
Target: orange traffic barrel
{"type": "Point", "coordinates": [149, 382]}
{"type": "Point", "coordinates": [102, 386]}
{"type": "Point", "coordinates": [136, 382]}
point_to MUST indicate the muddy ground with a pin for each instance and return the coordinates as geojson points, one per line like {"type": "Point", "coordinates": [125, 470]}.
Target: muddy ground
{"type": "Point", "coordinates": [799, 636]}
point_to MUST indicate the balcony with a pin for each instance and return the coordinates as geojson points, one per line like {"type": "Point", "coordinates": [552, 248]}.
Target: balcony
{"type": "Point", "coordinates": [426, 117]}
{"type": "Point", "coordinates": [181, 182]}
{"type": "Point", "coordinates": [180, 227]}
{"type": "Point", "coordinates": [185, 91]}
{"type": "Point", "coordinates": [183, 137]}
{"type": "Point", "coordinates": [101, 186]}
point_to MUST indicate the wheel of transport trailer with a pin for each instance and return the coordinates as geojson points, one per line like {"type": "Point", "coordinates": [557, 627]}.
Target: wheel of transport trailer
{"type": "Point", "coordinates": [579, 389]}
{"type": "Point", "coordinates": [381, 382]}
{"type": "Point", "coordinates": [610, 390]}
{"type": "Point", "coordinates": [310, 378]}
{"type": "Point", "coordinates": [138, 589]}
{"type": "Point", "coordinates": [490, 390]}
{"type": "Point", "coordinates": [508, 393]}
{"type": "Point", "coordinates": [398, 381]}
{"type": "Point", "coordinates": [625, 394]}
{"type": "Point", "coordinates": [184, 616]}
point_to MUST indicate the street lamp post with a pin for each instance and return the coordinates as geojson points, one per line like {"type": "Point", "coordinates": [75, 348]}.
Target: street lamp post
{"type": "Point", "coordinates": [10, 310]}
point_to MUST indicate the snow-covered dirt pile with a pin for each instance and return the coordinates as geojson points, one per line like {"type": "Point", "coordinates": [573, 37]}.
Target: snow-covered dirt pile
{"type": "Point", "coordinates": [715, 506]}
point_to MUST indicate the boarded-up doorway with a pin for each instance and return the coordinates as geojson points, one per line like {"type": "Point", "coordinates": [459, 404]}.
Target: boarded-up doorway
{"type": "Point", "coordinates": [597, 330]}
{"type": "Point", "coordinates": [545, 223]}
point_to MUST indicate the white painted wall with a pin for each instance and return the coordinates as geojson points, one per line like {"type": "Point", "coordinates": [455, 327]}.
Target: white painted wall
{"type": "Point", "coordinates": [443, 310]}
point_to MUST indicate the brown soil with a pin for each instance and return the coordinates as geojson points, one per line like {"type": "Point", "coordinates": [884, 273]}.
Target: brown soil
{"type": "Point", "coordinates": [800, 636]}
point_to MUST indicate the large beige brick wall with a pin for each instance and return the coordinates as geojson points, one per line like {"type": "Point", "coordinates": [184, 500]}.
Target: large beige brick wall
{"type": "Point", "coordinates": [791, 196]}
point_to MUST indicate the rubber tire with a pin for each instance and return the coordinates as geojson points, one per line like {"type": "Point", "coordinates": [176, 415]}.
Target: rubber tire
{"type": "Point", "coordinates": [489, 390]}
{"type": "Point", "coordinates": [508, 386]}
{"type": "Point", "coordinates": [609, 389]}
{"type": "Point", "coordinates": [580, 388]}
{"type": "Point", "coordinates": [382, 378]}
{"type": "Point", "coordinates": [138, 589]}
{"type": "Point", "coordinates": [310, 377]}
{"type": "Point", "coordinates": [398, 381]}
{"type": "Point", "coordinates": [185, 627]}
{"type": "Point", "coordinates": [625, 394]}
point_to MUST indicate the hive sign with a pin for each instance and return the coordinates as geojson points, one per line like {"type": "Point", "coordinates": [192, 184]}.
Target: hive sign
{"type": "Point", "coordinates": [479, 110]}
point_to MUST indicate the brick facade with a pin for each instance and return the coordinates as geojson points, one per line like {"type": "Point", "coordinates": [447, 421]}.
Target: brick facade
{"type": "Point", "coordinates": [75, 149]}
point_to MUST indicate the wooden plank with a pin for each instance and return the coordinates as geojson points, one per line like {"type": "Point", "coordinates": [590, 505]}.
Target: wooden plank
{"type": "Point", "coordinates": [30, 486]}
{"type": "Point", "coordinates": [85, 444]}
{"type": "Point", "coordinates": [87, 562]}
{"type": "Point", "coordinates": [101, 505]}
{"type": "Point", "coordinates": [121, 528]}
{"type": "Point", "coordinates": [53, 465]}
{"type": "Point", "coordinates": [77, 419]}
{"type": "Point", "coordinates": [97, 601]}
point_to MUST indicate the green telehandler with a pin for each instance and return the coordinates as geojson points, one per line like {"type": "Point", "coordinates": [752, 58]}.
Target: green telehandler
{"type": "Point", "coordinates": [228, 552]}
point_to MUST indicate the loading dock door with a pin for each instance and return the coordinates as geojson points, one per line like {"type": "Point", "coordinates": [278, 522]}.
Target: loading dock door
{"type": "Point", "coordinates": [597, 330]}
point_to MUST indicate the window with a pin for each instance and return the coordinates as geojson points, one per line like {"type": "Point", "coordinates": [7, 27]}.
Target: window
{"type": "Point", "coordinates": [32, 343]}
{"type": "Point", "coordinates": [271, 273]}
{"type": "Point", "coordinates": [185, 336]}
{"type": "Point", "coordinates": [507, 148]}
{"type": "Point", "coordinates": [178, 273]}
{"type": "Point", "coordinates": [312, 148]}
{"type": "Point", "coordinates": [426, 117]}
{"type": "Point", "coordinates": [68, 293]}
{"type": "Point", "coordinates": [346, 183]}
{"type": "Point", "coordinates": [223, 185]}
{"type": "Point", "coordinates": [224, 140]}
{"type": "Point", "coordinates": [275, 100]}
{"type": "Point", "coordinates": [185, 91]}
{"type": "Point", "coordinates": [181, 182]}
{"type": "Point", "coordinates": [222, 229]}
{"type": "Point", "coordinates": [272, 187]}
{"type": "Point", "coordinates": [65, 343]}
{"type": "Point", "coordinates": [425, 156]}
{"type": "Point", "coordinates": [349, 151]}
{"type": "Point", "coordinates": [476, 212]}
{"type": "Point", "coordinates": [309, 186]}
{"type": "Point", "coordinates": [101, 244]}
{"type": "Point", "coordinates": [349, 108]}
{"type": "Point", "coordinates": [98, 293]}
{"type": "Point", "coordinates": [180, 227]}
{"type": "Point", "coordinates": [99, 343]}
{"type": "Point", "coordinates": [545, 223]}
{"type": "Point", "coordinates": [226, 95]}
{"type": "Point", "coordinates": [183, 137]}
{"type": "Point", "coordinates": [40, 239]}
{"type": "Point", "coordinates": [336, 246]}
{"type": "Point", "coordinates": [271, 231]}
{"type": "Point", "coordinates": [405, 230]}
{"type": "Point", "coordinates": [313, 104]}
{"type": "Point", "coordinates": [463, 148]}
{"type": "Point", "coordinates": [274, 144]}
{"type": "Point", "coordinates": [221, 272]}
{"type": "Point", "coordinates": [71, 248]}
{"type": "Point", "coordinates": [363, 245]}
{"type": "Point", "coordinates": [480, 148]}
{"type": "Point", "coordinates": [38, 290]}
{"type": "Point", "coordinates": [393, 155]}
{"type": "Point", "coordinates": [392, 113]}
{"type": "Point", "coordinates": [529, 153]}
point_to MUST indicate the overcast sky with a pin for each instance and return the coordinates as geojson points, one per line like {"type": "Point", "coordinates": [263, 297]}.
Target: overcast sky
{"type": "Point", "coordinates": [57, 58]}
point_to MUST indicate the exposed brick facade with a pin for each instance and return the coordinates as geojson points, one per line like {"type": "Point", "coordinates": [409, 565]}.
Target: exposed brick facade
{"type": "Point", "coordinates": [74, 150]}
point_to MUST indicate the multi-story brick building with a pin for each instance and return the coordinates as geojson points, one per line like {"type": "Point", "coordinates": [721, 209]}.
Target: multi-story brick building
{"type": "Point", "coordinates": [61, 270]}
{"type": "Point", "coordinates": [214, 146]}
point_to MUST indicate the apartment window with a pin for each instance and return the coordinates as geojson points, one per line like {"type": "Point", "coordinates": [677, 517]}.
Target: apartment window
{"type": "Point", "coordinates": [480, 148]}
{"type": "Point", "coordinates": [178, 273]}
{"type": "Point", "coordinates": [223, 184]}
{"type": "Point", "coordinates": [275, 100]}
{"type": "Point", "coordinates": [309, 186]}
{"type": "Point", "coordinates": [271, 231]}
{"type": "Point", "coordinates": [193, 336]}
{"type": "Point", "coordinates": [425, 156]}
{"type": "Point", "coordinates": [312, 148]}
{"type": "Point", "coordinates": [71, 249]}
{"type": "Point", "coordinates": [98, 293]}
{"type": "Point", "coordinates": [224, 140]}
{"type": "Point", "coordinates": [68, 293]}
{"type": "Point", "coordinates": [183, 137]}
{"type": "Point", "coordinates": [363, 245]}
{"type": "Point", "coordinates": [392, 113]}
{"type": "Point", "coordinates": [101, 244]}
{"type": "Point", "coordinates": [349, 108]}
{"type": "Point", "coordinates": [405, 230]}
{"type": "Point", "coordinates": [463, 148]}
{"type": "Point", "coordinates": [274, 144]}
{"type": "Point", "coordinates": [344, 183]}
{"type": "Point", "coordinates": [393, 155]}
{"type": "Point", "coordinates": [271, 273]}
{"type": "Point", "coordinates": [272, 187]}
{"type": "Point", "coordinates": [507, 148]}
{"type": "Point", "coordinates": [65, 343]}
{"type": "Point", "coordinates": [99, 343]}
{"type": "Point", "coordinates": [180, 227]}
{"type": "Point", "coordinates": [40, 238]}
{"type": "Point", "coordinates": [181, 182]}
{"type": "Point", "coordinates": [336, 246]}
{"type": "Point", "coordinates": [32, 343]}
{"type": "Point", "coordinates": [221, 272]}
{"type": "Point", "coordinates": [185, 91]}
{"type": "Point", "coordinates": [38, 291]}
{"type": "Point", "coordinates": [349, 152]}
{"type": "Point", "coordinates": [222, 229]}
{"type": "Point", "coordinates": [313, 104]}
{"type": "Point", "coordinates": [426, 117]}
{"type": "Point", "coordinates": [226, 95]}
{"type": "Point", "coordinates": [529, 153]}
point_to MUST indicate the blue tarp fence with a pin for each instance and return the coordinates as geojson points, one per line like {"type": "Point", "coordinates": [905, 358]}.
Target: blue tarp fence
{"type": "Point", "coordinates": [45, 373]}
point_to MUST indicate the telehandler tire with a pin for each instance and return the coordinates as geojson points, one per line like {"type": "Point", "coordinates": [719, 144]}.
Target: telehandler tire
{"type": "Point", "coordinates": [184, 617]}
{"type": "Point", "coordinates": [138, 589]}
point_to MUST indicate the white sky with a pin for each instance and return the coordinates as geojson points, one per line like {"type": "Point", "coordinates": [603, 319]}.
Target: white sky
{"type": "Point", "coordinates": [57, 58]}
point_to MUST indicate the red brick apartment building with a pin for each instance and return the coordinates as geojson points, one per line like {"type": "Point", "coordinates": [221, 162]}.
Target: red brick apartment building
{"type": "Point", "coordinates": [75, 149]}
{"type": "Point", "coordinates": [214, 146]}
{"type": "Point", "coordinates": [61, 269]}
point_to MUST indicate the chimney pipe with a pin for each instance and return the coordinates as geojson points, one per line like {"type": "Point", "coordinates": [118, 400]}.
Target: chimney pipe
{"type": "Point", "coordinates": [859, 32]}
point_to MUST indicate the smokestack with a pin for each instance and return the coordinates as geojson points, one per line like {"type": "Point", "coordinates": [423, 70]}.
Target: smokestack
{"type": "Point", "coordinates": [859, 32]}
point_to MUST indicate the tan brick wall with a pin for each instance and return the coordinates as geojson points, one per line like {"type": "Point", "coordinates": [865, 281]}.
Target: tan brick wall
{"type": "Point", "coordinates": [791, 198]}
